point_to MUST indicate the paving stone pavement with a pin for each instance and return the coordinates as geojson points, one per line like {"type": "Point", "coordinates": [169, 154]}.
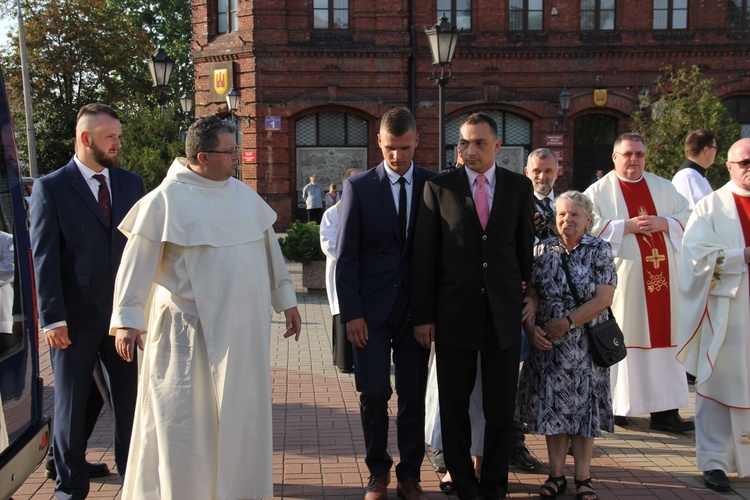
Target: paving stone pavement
{"type": "Point", "coordinates": [319, 448]}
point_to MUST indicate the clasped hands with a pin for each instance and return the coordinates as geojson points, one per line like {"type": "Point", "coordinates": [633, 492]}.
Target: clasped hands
{"type": "Point", "coordinates": [646, 225]}
{"type": "Point", "coordinates": [542, 338]}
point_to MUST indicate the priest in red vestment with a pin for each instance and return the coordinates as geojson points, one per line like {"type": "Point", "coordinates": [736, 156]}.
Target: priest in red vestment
{"type": "Point", "coordinates": [642, 216]}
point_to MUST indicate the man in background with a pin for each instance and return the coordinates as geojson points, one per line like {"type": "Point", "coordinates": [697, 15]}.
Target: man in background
{"type": "Point", "coordinates": [700, 152]}
{"type": "Point", "coordinates": [312, 193]}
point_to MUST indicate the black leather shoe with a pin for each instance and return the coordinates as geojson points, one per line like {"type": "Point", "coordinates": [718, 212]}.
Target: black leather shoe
{"type": "Point", "coordinates": [672, 423]}
{"type": "Point", "coordinates": [521, 458]}
{"type": "Point", "coordinates": [98, 470]}
{"type": "Point", "coordinates": [621, 420]}
{"type": "Point", "coordinates": [49, 469]}
{"type": "Point", "coordinates": [438, 461]}
{"type": "Point", "coordinates": [95, 470]}
{"type": "Point", "coordinates": [716, 480]}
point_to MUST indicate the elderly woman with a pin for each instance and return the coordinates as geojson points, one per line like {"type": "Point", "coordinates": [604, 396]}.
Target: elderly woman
{"type": "Point", "coordinates": [562, 393]}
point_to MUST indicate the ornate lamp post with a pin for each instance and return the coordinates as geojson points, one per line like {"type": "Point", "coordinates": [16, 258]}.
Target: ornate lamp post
{"type": "Point", "coordinates": [160, 65]}
{"type": "Point", "coordinates": [564, 98]}
{"type": "Point", "coordinates": [233, 102]}
{"type": "Point", "coordinates": [442, 38]}
{"type": "Point", "coordinates": [186, 105]}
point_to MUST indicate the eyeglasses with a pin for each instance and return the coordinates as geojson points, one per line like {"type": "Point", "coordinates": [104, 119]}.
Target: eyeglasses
{"type": "Point", "coordinates": [629, 154]}
{"type": "Point", "coordinates": [742, 163]}
{"type": "Point", "coordinates": [712, 147]}
{"type": "Point", "coordinates": [234, 152]}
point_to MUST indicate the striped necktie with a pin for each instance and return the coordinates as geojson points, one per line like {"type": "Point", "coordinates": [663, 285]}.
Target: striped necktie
{"type": "Point", "coordinates": [105, 202]}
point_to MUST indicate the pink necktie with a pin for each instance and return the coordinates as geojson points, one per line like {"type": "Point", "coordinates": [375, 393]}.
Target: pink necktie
{"type": "Point", "coordinates": [480, 200]}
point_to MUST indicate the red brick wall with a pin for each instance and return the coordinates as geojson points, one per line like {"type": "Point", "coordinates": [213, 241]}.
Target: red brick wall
{"type": "Point", "coordinates": [285, 69]}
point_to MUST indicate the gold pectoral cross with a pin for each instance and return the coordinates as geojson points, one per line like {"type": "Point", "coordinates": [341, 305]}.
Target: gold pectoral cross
{"type": "Point", "coordinates": [655, 258]}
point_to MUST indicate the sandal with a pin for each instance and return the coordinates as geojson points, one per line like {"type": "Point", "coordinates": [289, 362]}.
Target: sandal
{"type": "Point", "coordinates": [586, 483]}
{"type": "Point", "coordinates": [447, 487]}
{"type": "Point", "coordinates": [553, 486]}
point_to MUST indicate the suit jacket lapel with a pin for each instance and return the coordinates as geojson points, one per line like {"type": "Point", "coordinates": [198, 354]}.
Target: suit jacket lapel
{"type": "Point", "coordinates": [385, 195]}
{"type": "Point", "coordinates": [115, 185]}
{"type": "Point", "coordinates": [80, 186]}
{"type": "Point", "coordinates": [499, 198]}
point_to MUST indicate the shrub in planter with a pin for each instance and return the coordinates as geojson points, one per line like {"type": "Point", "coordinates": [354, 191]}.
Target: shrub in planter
{"type": "Point", "coordinates": [302, 243]}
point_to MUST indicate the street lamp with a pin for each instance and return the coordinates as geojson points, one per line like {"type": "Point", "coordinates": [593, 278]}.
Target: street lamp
{"type": "Point", "coordinates": [564, 99]}
{"type": "Point", "coordinates": [233, 102]}
{"type": "Point", "coordinates": [160, 65]}
{"type": "Point", "coordinates": [186, 103]}
{"type": "Point", "coordinates": [442, 38]}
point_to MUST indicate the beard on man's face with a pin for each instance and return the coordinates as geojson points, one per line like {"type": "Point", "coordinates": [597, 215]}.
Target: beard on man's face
{"type": "Point", "coordinates": [101, 156]}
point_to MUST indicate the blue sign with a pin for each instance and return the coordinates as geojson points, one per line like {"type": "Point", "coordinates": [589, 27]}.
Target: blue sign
{"type": "Point", "coordinates": [273, 123]}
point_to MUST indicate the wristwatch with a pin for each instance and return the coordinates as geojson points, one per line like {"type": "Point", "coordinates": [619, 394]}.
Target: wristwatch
{"type": "Point", "coordinates": [571, 325]}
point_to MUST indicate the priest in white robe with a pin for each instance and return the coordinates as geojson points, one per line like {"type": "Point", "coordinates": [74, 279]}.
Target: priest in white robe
{"type": "Point", "coordinates": [642, 216]}
{"type": "Point", "coordinates": [714, 314]}
{"type": "Point", "coordinates": [199, 277]}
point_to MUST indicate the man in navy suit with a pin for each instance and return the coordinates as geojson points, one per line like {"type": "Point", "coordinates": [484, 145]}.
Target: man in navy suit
{"type": "Point", "coordinates": [377, 215]}
{"type": "Point", "coordinates": [472, 253]}
{"type": "Point", "coordinates": [77, 249]}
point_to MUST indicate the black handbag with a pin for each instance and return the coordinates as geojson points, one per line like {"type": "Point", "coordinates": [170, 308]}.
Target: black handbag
{"type": "Point", "coordinates": [606, 341]}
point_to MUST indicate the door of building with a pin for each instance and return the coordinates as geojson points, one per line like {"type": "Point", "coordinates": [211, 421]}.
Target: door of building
{"type": "Point", "coordinates": [593, 138]}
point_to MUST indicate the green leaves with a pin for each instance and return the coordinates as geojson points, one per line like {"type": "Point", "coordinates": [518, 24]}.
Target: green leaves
{"type": "Point", "coordinates": [83, 51]}
{"type": "Point", "coordinates": [680, 101]}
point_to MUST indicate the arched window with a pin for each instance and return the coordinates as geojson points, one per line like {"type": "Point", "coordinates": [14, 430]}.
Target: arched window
{"type": "Point", "coordinates": [739, 108]}
{"type": "Point", "coordinates": [327, 144]}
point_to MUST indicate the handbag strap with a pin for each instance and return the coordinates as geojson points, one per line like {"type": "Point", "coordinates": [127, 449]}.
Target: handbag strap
{"type": "Point", "coordinates": [572, 286]}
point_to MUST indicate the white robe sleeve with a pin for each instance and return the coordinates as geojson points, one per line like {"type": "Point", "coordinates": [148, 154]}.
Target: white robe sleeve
{"type": "Point", "coordinates": [135, 278]}
{"type": "Point", "coordinates": [675, 233]}
{"type": "Point", "coordinates": [328, 233]}
{"type": "Point", "coordinates": [613, 234]}
{"type": "Point", "coordinates": [283, 296]}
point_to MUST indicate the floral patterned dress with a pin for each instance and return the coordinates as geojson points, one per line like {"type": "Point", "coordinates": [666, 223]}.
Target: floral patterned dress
{"type": "Point", "coordinates": [562, 391]}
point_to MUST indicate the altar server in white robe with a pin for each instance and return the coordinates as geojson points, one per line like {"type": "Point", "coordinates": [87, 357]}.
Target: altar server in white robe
{"type": "Point", "coordinates": [714, 314]}
{"type": "Point", "coordinates": [642, 216]}
{"type": "Point", "coordinates": [199, 277]}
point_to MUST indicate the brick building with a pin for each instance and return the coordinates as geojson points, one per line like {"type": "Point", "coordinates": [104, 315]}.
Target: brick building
{"type": "Point", "coordinates": [314, 76]}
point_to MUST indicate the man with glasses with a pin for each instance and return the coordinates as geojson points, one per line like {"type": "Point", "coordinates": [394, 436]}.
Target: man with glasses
{"type": "Point", "coordinates": [202, 252]}
{"type": "Point", "coordinates": [700, 153]}
{"type": "Point", "coordinates": [642, 216]}
{"type": "Point", "coordinates": [714, 314]}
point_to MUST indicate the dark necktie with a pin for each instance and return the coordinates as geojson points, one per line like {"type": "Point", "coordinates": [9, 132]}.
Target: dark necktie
{"type": "Point", "coordinates": [402, 207]}
{"type": "Point", "coordinates": [548, 218]}
{"type": "Point", "coordinates": [105, 202]}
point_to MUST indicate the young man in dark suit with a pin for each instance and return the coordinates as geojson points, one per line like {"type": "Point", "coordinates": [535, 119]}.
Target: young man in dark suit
{"type": "Point", "coordinates": [377, 216]}
{"type": "Point", "coordinates": [77, 248]}
{"type": "Point", "coordinates": [472, 252]}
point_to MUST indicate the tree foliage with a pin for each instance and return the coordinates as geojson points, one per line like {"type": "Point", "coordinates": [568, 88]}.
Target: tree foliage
{"type": "Point", "coordinates": [83, 51]}
{"type": "Point", "coordinates": [146, 149]}
{"type": "Point", "coordinates": [680, 101]}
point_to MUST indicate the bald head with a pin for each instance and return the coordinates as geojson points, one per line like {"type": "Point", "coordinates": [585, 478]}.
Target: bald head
{"type": "Point", "coordinates": [738, 163]}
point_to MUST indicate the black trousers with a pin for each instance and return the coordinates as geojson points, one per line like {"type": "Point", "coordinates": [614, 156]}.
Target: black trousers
{"type": "Point", "coordinates": [456, 371]}
{"type": "Point", "coordinates": [73, 368]}
{"type": "Point", "coordinates": [343, 351]}
{"type": "Point", "coordinates": [372, 374]}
